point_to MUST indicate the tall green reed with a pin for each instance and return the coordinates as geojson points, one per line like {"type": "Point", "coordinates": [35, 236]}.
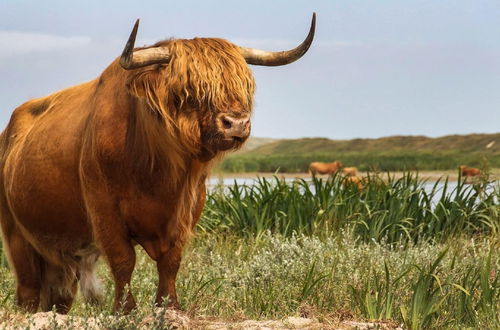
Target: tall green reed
{"type": "Point", "coordinates": [389, 209]}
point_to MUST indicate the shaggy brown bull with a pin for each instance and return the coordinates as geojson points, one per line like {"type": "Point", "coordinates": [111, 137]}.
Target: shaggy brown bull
{"type": "Point", "coordinates": [122, 159]}
{"type": "Point", "coordinates": [325, 168]}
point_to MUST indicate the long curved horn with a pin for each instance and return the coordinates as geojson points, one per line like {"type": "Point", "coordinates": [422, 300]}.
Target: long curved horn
{"type": "Point", "coordinates": [133, 60]}
{"type": "Point", "coordinates": [261, 57]}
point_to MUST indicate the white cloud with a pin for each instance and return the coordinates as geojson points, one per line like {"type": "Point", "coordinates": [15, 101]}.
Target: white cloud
{"type": "Point", "coordinates": [18, 43]}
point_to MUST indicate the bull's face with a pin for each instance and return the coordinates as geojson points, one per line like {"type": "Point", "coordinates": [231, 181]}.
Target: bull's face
{"type": "Point", "coordinates": [205, 86]}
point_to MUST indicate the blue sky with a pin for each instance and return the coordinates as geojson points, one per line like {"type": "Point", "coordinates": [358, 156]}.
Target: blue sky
{"type": "Point", "coordinates": [376, 68]}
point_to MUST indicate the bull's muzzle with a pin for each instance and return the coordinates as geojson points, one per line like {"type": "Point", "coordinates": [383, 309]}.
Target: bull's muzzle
{"type": "Point", "coordinates": [236, 129]}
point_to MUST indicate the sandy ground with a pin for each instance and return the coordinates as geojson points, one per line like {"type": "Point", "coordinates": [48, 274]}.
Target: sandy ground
{"type": "Point", "coordinates": [425, 175]}
{"type": "Point", "coordinates": [178, 320]}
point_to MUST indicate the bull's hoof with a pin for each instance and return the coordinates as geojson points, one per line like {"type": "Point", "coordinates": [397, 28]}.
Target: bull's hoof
{"type": "Point", "coordinates": [124, 307]}
{"type": "Point", "coordinates": [175, 306]}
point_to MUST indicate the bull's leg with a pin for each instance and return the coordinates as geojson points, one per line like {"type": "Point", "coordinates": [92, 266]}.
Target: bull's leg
{"type": "Point", "coordinates": [168, 266]}
{"type": "Point", "coordinates": [112, 236]}
{"type": "Point", "coordinates": [169, 261]}
{"type": "Point", "coordinates": [59, 287]}
{"type": "Point", "coordinates": [120, 255]}
{"type": "Point", "coordinates": [25, 262]}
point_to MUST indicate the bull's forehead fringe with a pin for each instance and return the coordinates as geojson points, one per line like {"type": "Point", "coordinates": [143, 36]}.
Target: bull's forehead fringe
{"type": "Point", "coordinates": [209, 71]}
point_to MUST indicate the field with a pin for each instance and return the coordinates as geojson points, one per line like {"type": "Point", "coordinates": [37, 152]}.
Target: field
{"type": "Point", "coordinates": [396, 153]}
{"type": "Point", "coordinates": [393, 253]}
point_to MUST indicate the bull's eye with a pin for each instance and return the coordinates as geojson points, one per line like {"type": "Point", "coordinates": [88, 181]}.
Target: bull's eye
{"type": "Point", "coordinates": [226, 123]}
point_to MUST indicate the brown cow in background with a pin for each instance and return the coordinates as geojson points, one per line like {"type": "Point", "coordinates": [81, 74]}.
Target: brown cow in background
{"type": "Point", "coordinates": [354, 180]}
{"type": "Point", "coordinates": [122, 159]}
{"type": "Point", "coordinates": [350, 171]}
{"type": "Point", "coordinates": [325, 168]}
{"type": "Point", "coordinates": [469, 171]}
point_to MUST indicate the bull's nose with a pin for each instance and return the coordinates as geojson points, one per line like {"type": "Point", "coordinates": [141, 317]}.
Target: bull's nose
{"type": "Point", "coordinates": [235, 128]}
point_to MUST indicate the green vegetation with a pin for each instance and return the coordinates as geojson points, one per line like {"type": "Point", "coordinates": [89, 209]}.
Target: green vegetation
{"type": "Point", "coordinates": [364, 161]}
{"type": "Point", "coordinates": [397, 153]}
{"type": "Point", "coordinates": [425, 258]}
{"type": "Point", "coordinates": [391, 210]}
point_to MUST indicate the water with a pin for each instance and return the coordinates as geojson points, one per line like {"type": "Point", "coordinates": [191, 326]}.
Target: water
{"type": "Point", "coordinates": [213, 182]}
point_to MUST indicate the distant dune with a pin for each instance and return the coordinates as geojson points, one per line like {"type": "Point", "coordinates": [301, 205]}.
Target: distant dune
{"type": "Point", "coordinates": [486, 143]}
{"type": "Point", "coordinates": [256, 142]}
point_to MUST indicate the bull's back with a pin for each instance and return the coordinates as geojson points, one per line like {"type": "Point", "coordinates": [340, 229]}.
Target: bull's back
{"type": "Point", "coordinates": [41, 149]}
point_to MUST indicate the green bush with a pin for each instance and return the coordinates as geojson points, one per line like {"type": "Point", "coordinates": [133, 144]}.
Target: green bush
{"type": "Point", "coordinates": [364, 161]}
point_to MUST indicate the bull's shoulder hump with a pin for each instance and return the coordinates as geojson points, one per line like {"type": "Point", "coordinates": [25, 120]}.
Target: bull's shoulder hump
{"type": "Point", "coordinates": [38, 106]}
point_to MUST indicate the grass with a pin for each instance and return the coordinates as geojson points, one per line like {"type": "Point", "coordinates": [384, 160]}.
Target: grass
{"type": "Point", "coordinates": [421, 257]}
{"type": "Point", "coordinates": [453, 285]}
{"type": "Point", "coordinates": [386, 209]}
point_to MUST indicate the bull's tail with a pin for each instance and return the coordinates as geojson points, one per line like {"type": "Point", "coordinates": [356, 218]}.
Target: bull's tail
{"type": "Point", "coordinates": [90, 284]}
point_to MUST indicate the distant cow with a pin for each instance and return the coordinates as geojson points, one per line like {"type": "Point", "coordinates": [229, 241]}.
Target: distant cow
{"type": "Point", "coordinates": [350, 171]}
{"type": "Point", "coordinates": [469, 171]}
{"type": "Point", "coordinates": [325, 168]}
{"type": "Point", "coordinates": [354, 180]}
{"type": "Point", "coordinates": [122, 160]}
